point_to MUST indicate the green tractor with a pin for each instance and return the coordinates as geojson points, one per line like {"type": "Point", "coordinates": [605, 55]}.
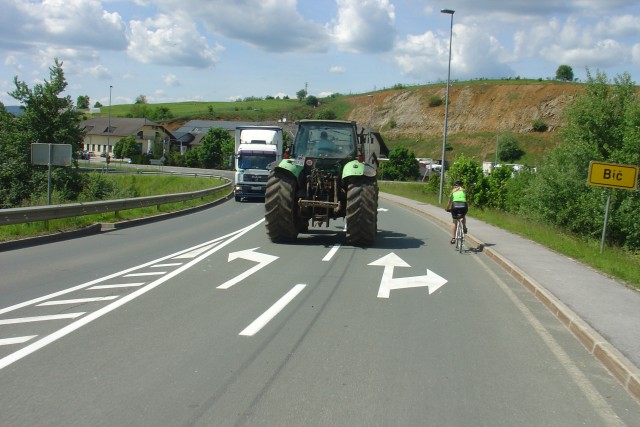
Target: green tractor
{"type": "Point", "coordinates": [329, 174]}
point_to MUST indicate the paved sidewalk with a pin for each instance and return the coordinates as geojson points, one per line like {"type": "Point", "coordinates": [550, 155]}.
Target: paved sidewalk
{"type": "Point", "coordinates": [603, 314]}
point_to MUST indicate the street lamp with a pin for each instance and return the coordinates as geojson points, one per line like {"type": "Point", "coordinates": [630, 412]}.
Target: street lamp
{"type": "Point", "coordinates": [108, 130]}
{"type": "Point", "coordinates": [446, 106]}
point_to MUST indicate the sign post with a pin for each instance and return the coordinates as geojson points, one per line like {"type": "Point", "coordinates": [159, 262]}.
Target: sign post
{"type": "Point", "coordinates": [611, 175]}
{"type": "Point", "coordinates": [48, 155]}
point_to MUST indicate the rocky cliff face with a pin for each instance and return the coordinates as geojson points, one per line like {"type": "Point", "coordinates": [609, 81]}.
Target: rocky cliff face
{"type": "Point", "coordinates": [473, 107]}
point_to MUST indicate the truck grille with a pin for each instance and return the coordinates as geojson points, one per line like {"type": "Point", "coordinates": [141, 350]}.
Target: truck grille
{"type": "Point", "coordinates": [255, 178]}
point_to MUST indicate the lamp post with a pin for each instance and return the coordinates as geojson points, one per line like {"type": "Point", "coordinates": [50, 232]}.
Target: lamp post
{"type": "Point", "coordinates": [108, 129]}
{"type": "Point", "coordinates": [446, 107]}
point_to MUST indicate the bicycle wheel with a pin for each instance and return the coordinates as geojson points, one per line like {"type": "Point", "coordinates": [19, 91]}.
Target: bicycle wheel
{"type": "Point", "coordinates": [459, 235]}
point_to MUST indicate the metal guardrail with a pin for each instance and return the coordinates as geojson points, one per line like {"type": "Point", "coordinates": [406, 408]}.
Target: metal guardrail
{"type": "Point", "coordinates": [45, 213]}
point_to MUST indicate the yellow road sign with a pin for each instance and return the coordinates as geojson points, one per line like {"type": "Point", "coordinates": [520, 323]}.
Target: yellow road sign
{"type": "Point", "coordinates": [613, 175]}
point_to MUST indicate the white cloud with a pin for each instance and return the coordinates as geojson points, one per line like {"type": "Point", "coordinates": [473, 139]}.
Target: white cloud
{"type": "Point", "coordinates": [474, 53]}
{"type": "Point", "coordinates": [99, 72]}
{"type": "Point", "coordinates": [365, 26]}
{"type": "Point", "coordinates": [12, 61]}
{"type": "Point", "coordinates": [170, 40]}
{"type": "Point", "coordinates": [81, 23]}
{"type": "Point", "coordinates": [269, 25]}
{"type": "Point", "coordinates": [171, 80]}
{"type": "Point", "coordinates": [337, 69]}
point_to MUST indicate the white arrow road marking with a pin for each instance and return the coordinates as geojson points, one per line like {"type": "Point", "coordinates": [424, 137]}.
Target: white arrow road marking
{"type": "Point", "coordinates": [262, 259]}
{"type": "Point", "coordinates": [431, 280]}
{"type": "Point", "coordinates": [383, 210]}
{"type": "Point", "coordinates": [276, 308]}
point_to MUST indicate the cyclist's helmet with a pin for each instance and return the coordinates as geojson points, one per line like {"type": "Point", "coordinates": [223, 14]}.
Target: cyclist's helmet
{"type": "Point", "coordinates": [457, 183]}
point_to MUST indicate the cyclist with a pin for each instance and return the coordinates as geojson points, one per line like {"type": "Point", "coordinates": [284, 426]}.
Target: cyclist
{"type": "Point", "coordinates": [458, 207]}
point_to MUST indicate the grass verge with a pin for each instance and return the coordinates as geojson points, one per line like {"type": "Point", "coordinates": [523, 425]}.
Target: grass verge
{"type": "Point", "coordinates": [142, 186]}
{"type": "Point", "coordinates": [616, 262]}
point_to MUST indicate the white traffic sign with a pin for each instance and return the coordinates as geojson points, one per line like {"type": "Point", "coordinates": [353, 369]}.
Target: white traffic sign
{"type": "Point", "coordinates": [431, 280]}
{"type": "Point", "coordinates": [250, 254]}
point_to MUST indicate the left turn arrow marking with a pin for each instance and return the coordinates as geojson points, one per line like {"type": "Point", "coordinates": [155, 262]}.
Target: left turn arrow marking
{"type": "Point", "coordinates": [249, 254]}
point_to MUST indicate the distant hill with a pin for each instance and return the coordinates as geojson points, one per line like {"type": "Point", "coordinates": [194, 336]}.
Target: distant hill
{"type": "Point", "coordinates": [479, 112]}
{"type": "Point", "coordinates": [16, 110]}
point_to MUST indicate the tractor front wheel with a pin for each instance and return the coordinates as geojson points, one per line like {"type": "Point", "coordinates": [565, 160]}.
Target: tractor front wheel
{"type": "Point", "coordinates": [280, 207]}
{"type": "Point", "coordinates": [362, 211]}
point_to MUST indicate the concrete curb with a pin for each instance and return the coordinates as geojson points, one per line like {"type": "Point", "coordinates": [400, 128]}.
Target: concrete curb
{"type": "Point", "coordinates": [613, 360]}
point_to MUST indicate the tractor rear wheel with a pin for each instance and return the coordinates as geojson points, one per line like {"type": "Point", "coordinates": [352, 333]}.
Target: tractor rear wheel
{"type": "Point", "coordinates": [280, 211]}
{"type": "Point", "coordinates": [362, 211]}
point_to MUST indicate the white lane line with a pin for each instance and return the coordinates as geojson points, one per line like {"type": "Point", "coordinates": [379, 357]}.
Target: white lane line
{"type": "Point", "coordinates": [276, 308]}
{"type": "Point", "coordinates": [152, 273]}
{"type": "Point", "coordinates": [43, 342]}
{"type": "Point", "coordinates": [77, 300]}
{"type": "Point", "coordinates": [116, 286]}
{"type": "Point", "coordinates": [332, 252]}
{"type": "Point", "coordinates": [171, 264]}
{"type": "Point", "coordinates": [16, 340]}
{"type": "Point", "coordinates": [40, 318]}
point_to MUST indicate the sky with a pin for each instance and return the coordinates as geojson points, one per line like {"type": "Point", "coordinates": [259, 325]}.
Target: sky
{"type": "Point", "coordinates": [223, 50]}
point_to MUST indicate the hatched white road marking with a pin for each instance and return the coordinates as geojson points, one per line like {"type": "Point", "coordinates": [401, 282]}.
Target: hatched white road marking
{"type": "Point", "coordinates": [116, 286]}
{"type": "Point", "coordinates": [77, 300]}
{"type": "Point", "coordinates": [16, 340]}
{"type": "Point", "coordinates": [40, 318]}
{"type": "Point", "coordinates": [171, 264]}
{"type": "Point", "coordinates": [66, 330]}
{"type": "Point", "coordinates": [152, 273]}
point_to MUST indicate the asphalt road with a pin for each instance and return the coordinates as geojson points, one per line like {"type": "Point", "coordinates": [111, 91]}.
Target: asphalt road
{"type": "Point", "coordinates": [200, 320]}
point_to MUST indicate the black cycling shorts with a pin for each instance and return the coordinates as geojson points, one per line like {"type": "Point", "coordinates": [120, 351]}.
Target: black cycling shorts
{"type": "Point", "coordinates": [459, 209]}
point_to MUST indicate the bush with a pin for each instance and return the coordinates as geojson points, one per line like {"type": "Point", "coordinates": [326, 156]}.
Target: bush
{"type": "Point", "coordinates": [508, 148]}
{"type": "Point", "coordinates": [401, 166]}
{"type": "Point", "coordinates": [539, 125]}
{"type": "Point", "coordinates": [435, 101]}
{"type": "Point", "coordinates": [326, 114]}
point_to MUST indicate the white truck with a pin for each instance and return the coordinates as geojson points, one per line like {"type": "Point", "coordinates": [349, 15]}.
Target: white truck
{"type": "Point", "coordinates": [257, 147]}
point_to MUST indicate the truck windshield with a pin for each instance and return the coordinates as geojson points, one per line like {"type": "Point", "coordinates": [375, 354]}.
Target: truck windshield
{"type": "Point", "coordinates": [255, 161]}
{"type": "Point", "coordinates": [335, 140]}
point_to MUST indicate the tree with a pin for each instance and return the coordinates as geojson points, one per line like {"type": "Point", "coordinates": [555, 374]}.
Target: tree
{"type": "Point", "coordinates": [311, 101]}
{"type": "Point", "coordinates": [48, 118]}
{"type": "Point", "coordinates": [126, 147]}
{"type": "Point", "coordinates": [469, 171]}
{"type": "Point", "coordinates": [508, 148]}
{"type": "Point", "coordinates": [83, 102]}
{"type": "Point", "coordinates": [97, 105]}
{"type": "Point", "coordinates": [214, 146]}
{"type": "Point", "coordinates": [402, 165]}
{"type": "Point", "coordinates": [141, 99]}
{"type": "Point", "coordinates": [564, 73]}
{"type": "Point", "coordinates": [301, 95]}
{"type": "Point", "coordinates": [603, 124]}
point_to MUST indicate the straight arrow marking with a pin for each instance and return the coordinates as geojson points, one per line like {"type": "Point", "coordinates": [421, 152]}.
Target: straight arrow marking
{"type": "Point", "coordinates": [431, 280]}
{"type": "Point", "coordinates": [250, 254]}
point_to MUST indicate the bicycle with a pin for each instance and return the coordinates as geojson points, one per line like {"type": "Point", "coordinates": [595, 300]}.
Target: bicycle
{"type": "Point", "coordinates": [459, 233]}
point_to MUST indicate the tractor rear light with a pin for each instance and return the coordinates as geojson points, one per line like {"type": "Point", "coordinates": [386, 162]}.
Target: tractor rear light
{"type": "Point", "coordinates": [361, 158]}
